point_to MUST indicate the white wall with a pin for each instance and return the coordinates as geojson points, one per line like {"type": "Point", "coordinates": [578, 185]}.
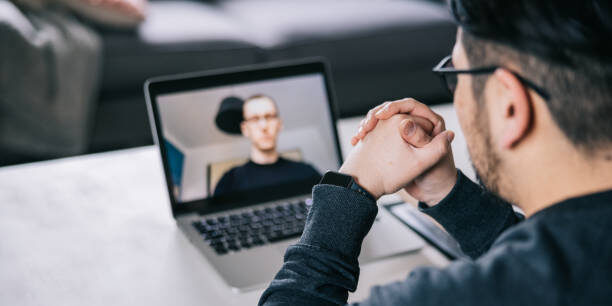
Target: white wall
{"type": "Point", "coordinates": [188, 121]}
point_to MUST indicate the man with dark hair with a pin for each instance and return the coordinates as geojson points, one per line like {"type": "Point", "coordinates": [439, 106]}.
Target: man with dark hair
{"type": "Point", "coordinates": [532, 88]}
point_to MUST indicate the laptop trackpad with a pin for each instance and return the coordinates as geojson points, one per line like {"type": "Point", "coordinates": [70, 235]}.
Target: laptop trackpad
{"type": "Point", "coordinates": [388, 237]}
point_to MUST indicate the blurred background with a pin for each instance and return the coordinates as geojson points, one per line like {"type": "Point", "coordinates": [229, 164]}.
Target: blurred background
{"type": "Point", "coordinates": [72, 71]}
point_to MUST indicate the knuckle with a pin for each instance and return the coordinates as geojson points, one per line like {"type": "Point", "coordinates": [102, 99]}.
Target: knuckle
{"type": "Point", "coordinates": [381, 106]}
{"type": "Point", "coordinates": [386, 106]}
{"type": "Point", "coordinates": [408, 101]}
{"type": "Point", "coordinates": [369, 114]}
{"type": "Point", "coordinates": [404, 101]}
{"type": "Point", "coordinates": [367, 119]}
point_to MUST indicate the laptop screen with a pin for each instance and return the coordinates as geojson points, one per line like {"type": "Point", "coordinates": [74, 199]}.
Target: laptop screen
{"type": "Point", "coordinates": [264, 139]}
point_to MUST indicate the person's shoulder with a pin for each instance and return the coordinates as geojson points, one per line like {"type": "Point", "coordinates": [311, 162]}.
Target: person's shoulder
{"type": "Point", "coordinates": [554, 233]}
{"type": "Point", "coordinates": [249, 164]}
{"type": "Point", "coordinates": [294, 163]}
{"type": "Point", "coordinates": [569, 221]}
{"type": "Point", "coordinates": [231, 173]}
{"type": "Point", "coordinates": [300, 166]}
{"type": "Point", "coordinates": [232, 170]}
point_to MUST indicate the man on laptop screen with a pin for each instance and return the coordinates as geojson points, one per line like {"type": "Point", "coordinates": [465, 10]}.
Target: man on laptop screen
{"type": "Point", "coordinates": [238, 141]}
{"type": "Point", "coordinates": [257, 118]}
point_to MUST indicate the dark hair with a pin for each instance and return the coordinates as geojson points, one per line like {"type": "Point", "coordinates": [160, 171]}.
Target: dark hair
{"type": "Point", "coordinates": [562, 46]}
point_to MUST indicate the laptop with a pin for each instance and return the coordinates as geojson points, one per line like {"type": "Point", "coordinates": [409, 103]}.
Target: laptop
{"type": "Point", "coordinates": [241, 150]}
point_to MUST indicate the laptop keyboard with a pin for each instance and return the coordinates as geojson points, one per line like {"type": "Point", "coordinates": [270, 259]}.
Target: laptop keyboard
{"type": "Point", "coordinates": [257, 227]}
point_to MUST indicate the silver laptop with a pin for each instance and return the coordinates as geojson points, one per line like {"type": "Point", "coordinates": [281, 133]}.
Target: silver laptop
{"type": "Point", "coordinates": [241, 150]}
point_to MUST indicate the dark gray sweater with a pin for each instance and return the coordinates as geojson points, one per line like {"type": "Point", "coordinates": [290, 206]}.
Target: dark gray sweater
{"type": "Point", "coordinates": [560, 256]}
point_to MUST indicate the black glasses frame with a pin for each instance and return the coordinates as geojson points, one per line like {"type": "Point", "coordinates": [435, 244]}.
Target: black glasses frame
{"type": "Point", "coordinates": [443, 70]}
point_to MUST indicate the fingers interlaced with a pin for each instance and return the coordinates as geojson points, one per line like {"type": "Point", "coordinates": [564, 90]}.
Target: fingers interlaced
{"type": "Point", "coordinates": [371, 120]}
{"type": "Point", "coordinates": [432, 124]}
{"type": "Point", "coordinates": [412, 107]}
{"type": "Point", "coordinates": [367, 124]}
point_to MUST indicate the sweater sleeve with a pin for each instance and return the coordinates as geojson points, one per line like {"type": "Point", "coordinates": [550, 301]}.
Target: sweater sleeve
{"type": "Point", "coordinates": [473, 216]}
{"type": "Point", "coordinates": [322, 268]}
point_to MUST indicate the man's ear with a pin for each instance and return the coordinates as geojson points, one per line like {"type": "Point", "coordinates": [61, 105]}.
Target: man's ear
{"type": "Point", "coordinates": [243, 129]}
{"type": "Point", "coordinates": [516, 108]}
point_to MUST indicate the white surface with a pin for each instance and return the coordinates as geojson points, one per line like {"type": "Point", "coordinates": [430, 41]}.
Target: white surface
{"type": "Point", "coordinates": [97, 230]}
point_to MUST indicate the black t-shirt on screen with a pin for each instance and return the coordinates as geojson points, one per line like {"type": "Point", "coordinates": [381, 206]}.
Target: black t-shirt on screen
{"type": "Point", "coordinates": [252, 176]}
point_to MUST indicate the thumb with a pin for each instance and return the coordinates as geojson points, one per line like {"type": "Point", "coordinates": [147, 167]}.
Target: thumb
{"type": "Point", "coordinates": [439, 146]}
{"type": "Point", "coordinates": [413, 133]}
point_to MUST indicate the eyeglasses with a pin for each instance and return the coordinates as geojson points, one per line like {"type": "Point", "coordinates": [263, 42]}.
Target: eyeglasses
{"type": "Point", "coordinates": [448, 74]}
{"type": "Point", "coordinates": [267, 118]}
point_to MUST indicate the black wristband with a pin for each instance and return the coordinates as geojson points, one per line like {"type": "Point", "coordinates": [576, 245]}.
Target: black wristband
{"type": "Point", "coordinates": [346, 181]}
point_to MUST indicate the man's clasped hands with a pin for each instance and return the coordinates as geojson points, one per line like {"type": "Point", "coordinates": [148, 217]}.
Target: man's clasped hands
{"type": "Point", "coordinates": [403, 144]}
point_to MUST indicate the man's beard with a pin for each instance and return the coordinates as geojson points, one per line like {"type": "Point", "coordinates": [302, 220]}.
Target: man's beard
{"type": "Point", "coordinates": [484, 159]}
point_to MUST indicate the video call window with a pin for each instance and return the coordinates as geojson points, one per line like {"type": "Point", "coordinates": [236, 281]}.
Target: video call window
{"type": "Point", "coordinates": [246, 137]}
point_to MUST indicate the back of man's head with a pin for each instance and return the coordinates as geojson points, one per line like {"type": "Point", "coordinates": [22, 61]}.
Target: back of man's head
{"type": "Point", "coordinates": [562, 46]}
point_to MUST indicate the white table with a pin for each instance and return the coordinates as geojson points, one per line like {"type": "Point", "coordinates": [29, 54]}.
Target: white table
{"type": "Point", "coordinates": [97, 230]}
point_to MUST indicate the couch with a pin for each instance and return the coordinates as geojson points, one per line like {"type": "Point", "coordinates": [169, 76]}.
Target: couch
{"type": "Point", "coordinates": [378, 50]}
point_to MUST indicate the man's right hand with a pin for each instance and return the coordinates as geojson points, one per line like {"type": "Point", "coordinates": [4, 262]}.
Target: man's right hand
{"type": "Point", "coordinates": [433, 185]}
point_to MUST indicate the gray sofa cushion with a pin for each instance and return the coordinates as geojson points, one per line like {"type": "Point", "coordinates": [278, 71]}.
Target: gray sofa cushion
{"type": "Point", "coordinates": [276, 23]}
{"type": "Point", "coordinates": [378, 49]}
{"type": "Point", "coordinates": [178, 36]}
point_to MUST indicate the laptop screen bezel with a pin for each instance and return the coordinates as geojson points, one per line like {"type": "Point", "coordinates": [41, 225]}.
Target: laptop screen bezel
{"type": "Point", "coordinates": [155, 87]}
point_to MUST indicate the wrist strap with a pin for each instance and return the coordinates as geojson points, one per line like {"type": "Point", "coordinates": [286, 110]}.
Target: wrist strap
{"type": "Point", "coordinates": [346, 181]}
{"type": "Point", "coordinates": [356, 187]}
